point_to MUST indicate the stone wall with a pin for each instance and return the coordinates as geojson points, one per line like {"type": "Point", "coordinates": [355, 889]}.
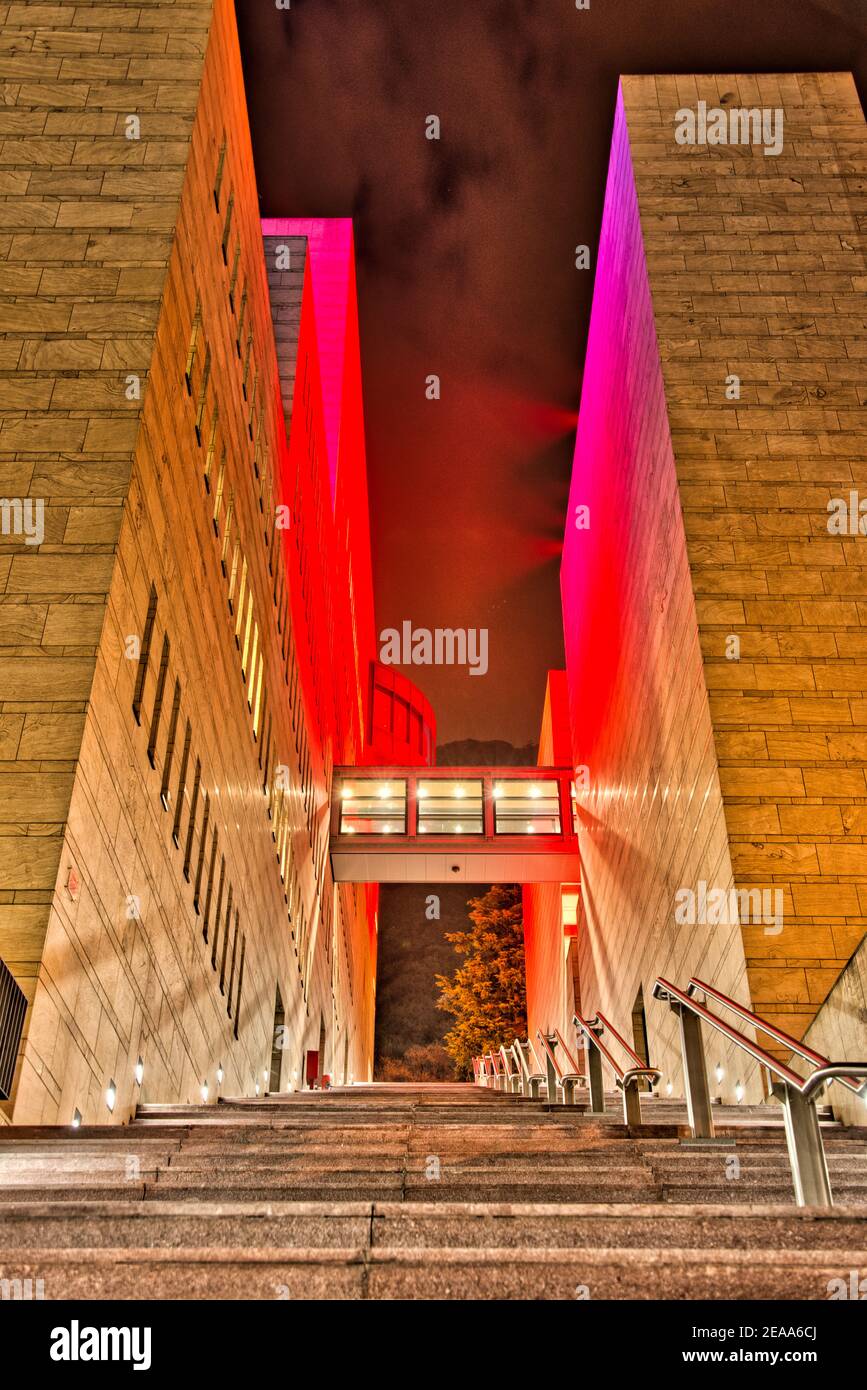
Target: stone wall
{"type": "Point", "coordinates": [757, 271]}
{"type": "Point", "coordinates": [94, 138]}
{"type": "Point", "coordinates": [650, 809]}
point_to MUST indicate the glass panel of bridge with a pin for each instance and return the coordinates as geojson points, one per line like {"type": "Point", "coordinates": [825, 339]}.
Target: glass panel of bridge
{"type": "Point", "coordinates": [450, 808]}
{"type": "Point", "coordinates": [371, 807]}
{"type": "Point", "coordinates": [522, 807]}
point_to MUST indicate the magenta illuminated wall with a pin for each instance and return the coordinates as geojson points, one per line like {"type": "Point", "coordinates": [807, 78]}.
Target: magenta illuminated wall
{"type": "Point", "coordinates": [652, 818]}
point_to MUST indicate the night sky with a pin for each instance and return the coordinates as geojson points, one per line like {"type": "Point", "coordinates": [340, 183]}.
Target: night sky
{"type": "Point", "coordinates": [466, 268]}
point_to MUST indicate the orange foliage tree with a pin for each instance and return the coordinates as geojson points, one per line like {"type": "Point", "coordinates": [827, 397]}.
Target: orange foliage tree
{"type": "Point", "coordinates": [487, 993]}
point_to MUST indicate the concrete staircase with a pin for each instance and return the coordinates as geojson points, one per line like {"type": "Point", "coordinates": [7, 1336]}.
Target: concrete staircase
{"type": "Point", "coordinates": [424, 1192]}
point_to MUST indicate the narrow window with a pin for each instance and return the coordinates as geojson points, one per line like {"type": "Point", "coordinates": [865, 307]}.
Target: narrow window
{"type": "Point", "coordinates": [247, 626]}
{"type": "Point", "coordinates": [227, 536]}
{"type": "Point", "coordinates": [203, 395]}
{"type": "Point", "coordinates": [158, 702]}
{"type": "Point", "coordinates": [203, 844]}
{"type": "Point", "coordinates": [233, 281]}
{"type": "Point", "coordinates": [182, 786]}
{"type": "Point", "coordinates": [258, 699]}
{"type": "Point", "coordinates": [242, 589]}
{"type": "Point", "coordinates": [212, 448]}
{"type": "Point", "coordinates": [144, 655]}
{"type": "Point", "coordinates": [218, 494]}
{"type": "Point", "coordinates": [240, 984]}
{"type": "Point", "coordinates": [165, 795]}
{"type": "Point", "coordinates": [251, 692]}
{"type": "Point", "coordinates": [193, 346]}
{"type": "Point", "coordinates": [233, 574]}
{"type": "Point", "coordinates": [227, 227]}
{"type": "Point", "coordinates": [241, 318]}
{"type": "Point", "coordinates": [232, 966]}
{"type": "Point", "coordinates": [226, 929]}
{"type": "Point", "coordinates": [218, 180]}
{"type": "Point", "coordinates": [191, 825]}
{"type": "Point", "coordinates": [210, 890]}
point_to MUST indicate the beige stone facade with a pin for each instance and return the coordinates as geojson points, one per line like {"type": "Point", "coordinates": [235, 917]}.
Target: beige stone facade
{"type": "Point", "coordinates": [163, 793]}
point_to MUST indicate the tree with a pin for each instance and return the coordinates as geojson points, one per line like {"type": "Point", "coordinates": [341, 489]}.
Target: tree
{"type": "Point", "coordinates": [487, 994]}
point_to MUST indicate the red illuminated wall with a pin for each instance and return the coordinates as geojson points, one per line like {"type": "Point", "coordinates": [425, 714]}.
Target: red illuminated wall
{"type": "Point", "coordinates": [651, 818]}
{"type": "Point", "coordinates": [324, 481]}
{"type": "Point", "coordinates": [402, 731]}
{"type": "Point", "coordinates": [548, 949]}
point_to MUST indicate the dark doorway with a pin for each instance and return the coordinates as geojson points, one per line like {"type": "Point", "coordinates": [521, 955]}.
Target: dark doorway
{"type": "Point", "coordinates": [639, 1033]}
{"type": "Point", "coordinates": [277, 1044]}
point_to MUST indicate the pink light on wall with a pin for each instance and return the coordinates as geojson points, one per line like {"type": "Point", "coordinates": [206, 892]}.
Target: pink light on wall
{"type": "Point", "coordinates": [331, 250]}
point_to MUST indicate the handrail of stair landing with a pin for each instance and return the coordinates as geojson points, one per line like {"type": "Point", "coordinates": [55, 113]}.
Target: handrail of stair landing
{"type": "Point", "coordinates": [627, 1079]}
{"type": "Point", "coordinates": [796, 1094]}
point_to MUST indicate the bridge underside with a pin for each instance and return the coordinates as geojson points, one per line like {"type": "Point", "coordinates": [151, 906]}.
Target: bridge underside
{"type": "Point", "coordinates": [453, 825]}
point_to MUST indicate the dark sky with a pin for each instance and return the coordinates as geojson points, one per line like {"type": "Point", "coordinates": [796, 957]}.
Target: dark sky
{"type": "Point", "coordinates": [466, 268]}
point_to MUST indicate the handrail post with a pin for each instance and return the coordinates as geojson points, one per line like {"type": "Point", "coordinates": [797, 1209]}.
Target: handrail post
{"type": "Point", "coordinates": [806, 1150]}
{"type": "Point", "coordinates": [694, 1073]}
{"type": "Point", "coordinates": [631, 1101]}
{"type": "Point", "coordinates": [594, 1076]}
{"type": "Point", "coordinates": [550, 1072]}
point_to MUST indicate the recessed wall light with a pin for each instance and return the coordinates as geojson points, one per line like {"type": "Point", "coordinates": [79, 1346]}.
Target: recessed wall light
{"type": "Point", "coordinates": [139, 1072]}
{"type": "Point", "coordinates": [111, 1095]}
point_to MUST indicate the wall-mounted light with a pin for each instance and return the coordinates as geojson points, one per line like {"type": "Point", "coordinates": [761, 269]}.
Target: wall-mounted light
{"type": "Point", "coordinates": [382, 793]}
{"type": "Point", "coordinates": [76, 1119]}
{"type": "Point", "coordinates": [257, 1088]}
{"type": "Point", "coordinates": [669, 1088]}
{"type": "Point", "coordinates": [111, 1095]}
{"type": "Point", "coordinates": [719, 1073]}
{"type": "Point", "coordinates": [739, 1092]}
{"type": "Point", "coordinates": [204, 1092]}
{"type": "Point", "coordinates": [220, 1074]}
{"type": "Point", "coordinates": [139, 1072]}
{"type": "Point", "coordinates": [346, 793]}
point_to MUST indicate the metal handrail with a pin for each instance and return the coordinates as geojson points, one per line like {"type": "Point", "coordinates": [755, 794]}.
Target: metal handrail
{"type": "Point", "coordinates": [796, 1094]}
{"type": "Point", "coordinates": [578, 1071]}
{"type": "Point", "coordinates": [600, 1018]}
{"type": "Point", "coordinates": [551, 1052]}
{"type": "Point", "coordinates": [664, 989]}
{"type": "Point", "coordinates": [534, 1054]}
{"type": "Point", "coordinates": [622, 1077]}
{"type": "Point", "coordinates": [587, 1028]}
{"type": "Point", "coordinates": [842, 1070]}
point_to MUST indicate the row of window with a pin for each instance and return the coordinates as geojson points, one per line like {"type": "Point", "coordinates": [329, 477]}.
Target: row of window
{"type": "Point", "coordinates": [240, 597]}
{"type": "Point", "coordinates": [225, 923]}
{"type": "Point", "coordinates": [450, 808]}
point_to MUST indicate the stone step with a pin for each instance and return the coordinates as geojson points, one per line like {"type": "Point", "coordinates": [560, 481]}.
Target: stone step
{"type": "Point", "coordinates": [76, 1225]}
{"type": "Point", "coordinates": [431, 1273]}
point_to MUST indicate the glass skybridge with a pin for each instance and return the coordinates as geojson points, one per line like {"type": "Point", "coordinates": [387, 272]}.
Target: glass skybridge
{"type": "Point", "coordinates": [454, 824]}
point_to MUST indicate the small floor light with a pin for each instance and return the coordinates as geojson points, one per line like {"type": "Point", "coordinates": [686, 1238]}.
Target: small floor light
{"type": "Point", "coordinates": [111, 1095]}
{"type": "Point", "coordinates": [76, 1119]}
